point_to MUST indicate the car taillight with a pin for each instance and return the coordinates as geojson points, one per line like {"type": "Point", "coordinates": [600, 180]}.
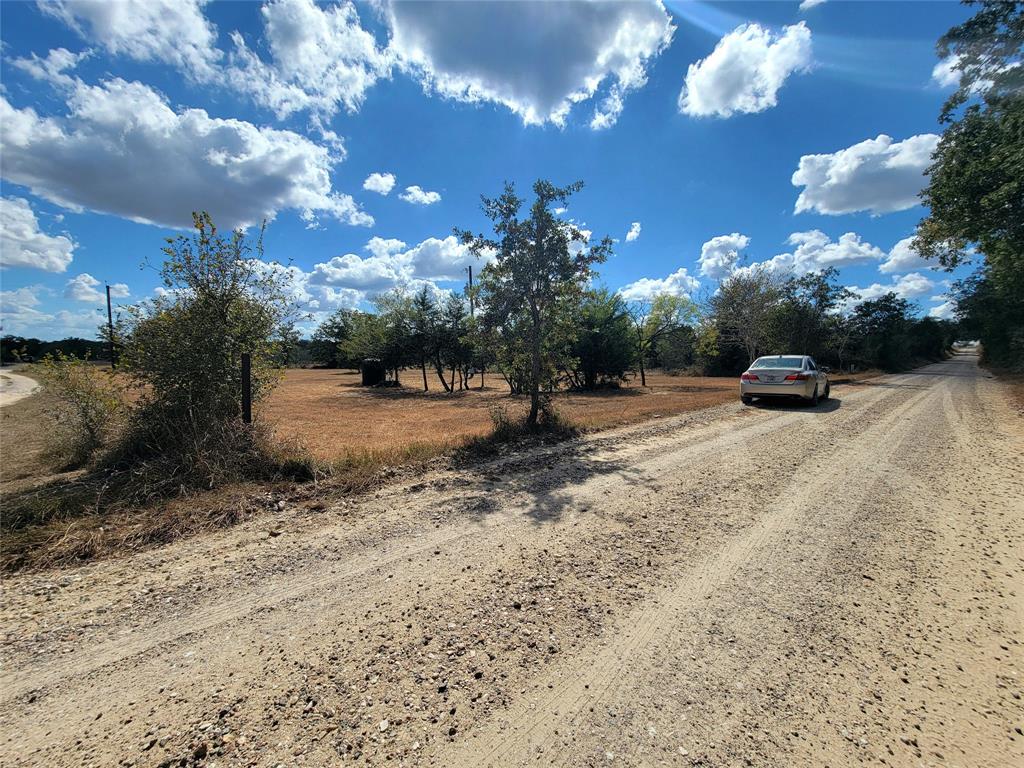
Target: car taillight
{"type": "Point", "coordinates": [749, 377]}
{"type": "Point", "coordinates": [797, 377]}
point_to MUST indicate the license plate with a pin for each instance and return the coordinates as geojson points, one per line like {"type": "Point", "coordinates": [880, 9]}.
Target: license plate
{"type": "Point", "coordinates": [770, 378]}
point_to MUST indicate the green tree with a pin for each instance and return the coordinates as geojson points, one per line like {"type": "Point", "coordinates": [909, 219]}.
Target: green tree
{"type": "Point", "coordinates": [744, 308]}
{"type": "Point", "coordinates": [329, 337]}
{"type": "Point", "coordinates": [975, 192]}
{"type": "Point", "coordinates": [654, 319]}
{"type": "Point", "coordinates": [183, 351]}
{"type": "Point", "coordinates": [541, 266]}
{"type": "Point", "coordinates": [602, 350]}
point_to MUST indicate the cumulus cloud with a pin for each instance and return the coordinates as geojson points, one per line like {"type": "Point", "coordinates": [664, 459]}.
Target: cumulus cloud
{"type": "Point", "coordinates": [380, 246]}
{"type": "Point", "coordinates": [85, 287]}
{"type": "Point", "coordinates": [54, 67]}
{"type": "Point", "coordinates": [418, 196]}
{"type": "Point", "coordinates": [877, 175]}
{"type": "Point", "coordinates": [944, 311]}
{"type": "Point", "coordinates": [806, 5]}
{"type": "Point", "coordinates": [903, 258]}
{"type": "Point", "coordinates": [634, 232]}
{"type": "Point", "coordinates": [718, 256]}
{"type": "Point", "coordinates": [679, 283]}
{"type": "Point", "coordinates": [745, 71]}
{"type": "Point", "coordinates": [815, 251]}
{"type": "Point", "coordinates": [21, 313]}
{"type": "Point", "coordinates": [392, 264]}
{"type": "Point", "coordinates": [381, 183]}
{"type": "Point", "coordinates": [171, 31]}
{"type": "Point", "coordinates": [123, 150]}
{"type": "Point", "coordinates": [945, 74]}
{"type": "Point", "coordinates": [23, 244]}
{"type": "Point", "coordinates": [909, 286]}
{"type": "Point", "coordinates": [322, 59]}
{"type": "Point", "coordinates": [489, 52]}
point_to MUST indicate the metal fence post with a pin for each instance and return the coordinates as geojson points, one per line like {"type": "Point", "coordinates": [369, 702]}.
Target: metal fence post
{"type": "Point", "coordinates": [246, 388]}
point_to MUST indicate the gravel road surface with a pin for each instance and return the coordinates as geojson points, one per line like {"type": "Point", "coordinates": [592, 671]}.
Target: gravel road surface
{"type": "Point", "coordinates": [766, 586]}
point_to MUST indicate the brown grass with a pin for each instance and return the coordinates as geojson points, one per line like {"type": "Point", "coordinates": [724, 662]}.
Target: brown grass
{"type": "Point", "coordinates": [334, 417]}
{"type": "Point", "coordinates": [363, 434]}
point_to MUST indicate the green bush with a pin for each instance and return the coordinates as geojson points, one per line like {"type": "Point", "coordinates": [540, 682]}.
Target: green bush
{"type": "Point", "coordinates": [85, 408]}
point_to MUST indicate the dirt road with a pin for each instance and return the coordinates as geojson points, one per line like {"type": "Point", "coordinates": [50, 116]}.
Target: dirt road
{"type": "Point", "coordinates": [740, 586]}
{"type": "Point", "coordinates": [14, 387]}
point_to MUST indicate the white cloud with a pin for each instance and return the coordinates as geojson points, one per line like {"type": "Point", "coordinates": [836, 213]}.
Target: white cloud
{"type": "Point", "coordinates": [392, 264]}
{"type": "Point", "coordinates": [52, 69]}
{"type": "Point", "coordinates": [321, 59]}
{"type": "Point", "coordinates": [944, 311]}
{"type": "Point", "coordinates": [418, 196]}
{"type": "Point", "coordinates": [945, 74]}
{"type": "Point", "coordinates": [679, 283]}
{"type": "Point", "coordinates": [909, 286]}
{"type": "Point", "coordinates": [381, 183]}
{"type": "Point", "coordinates": [718, 256]}
{"type": "Point", "coordinates": [903, 258]}
{"type": "Point", "coordinates": [171, 31]}
{"type": "Point", "coordinates": [876, 175]}
{"type": "Point", "coordinates": [489, 52]}
{"type": "Point", "coordinates": [816, 251]}
{"type": "Point", "coordinates": [745, 71]}
{"type": "Point", "coordinates": [380, 246]}
{"type": "Point", "coordinates": [123, 150]}
{"type": "Point", "coordinates": [806, 5]}
{"type": "Point", "coordinates": [634, 232]}
{"type": "Point", "coordinates": [85, 287]}
{"type": "Point", "coordinates": [23, 244]}
{"type": "Point", "coordinates": [20, 313]}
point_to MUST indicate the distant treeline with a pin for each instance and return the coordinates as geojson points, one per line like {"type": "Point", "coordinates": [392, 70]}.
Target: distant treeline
{"type": "Point", "coordinates": [18, 349]}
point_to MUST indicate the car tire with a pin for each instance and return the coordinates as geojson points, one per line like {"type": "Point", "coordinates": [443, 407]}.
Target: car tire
{"type": "Point", "coordinates": [813, 401]}
{"type": "Point", "coordinates": [828, 391]}
{"type": "Point", "coordinates": [746, 400]}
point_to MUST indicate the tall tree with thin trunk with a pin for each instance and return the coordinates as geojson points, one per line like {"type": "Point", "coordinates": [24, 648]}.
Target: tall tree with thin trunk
{"type": "Point", "coordinates": [541, 265]}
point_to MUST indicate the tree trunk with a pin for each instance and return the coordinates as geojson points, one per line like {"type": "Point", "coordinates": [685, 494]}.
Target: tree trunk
{"type": "Point", "coordinates": [482, 376]}
{"type": "Point", "coordinates": [643, 376]}
{"type": "Point", "coordinates": [440, 374]}
{"type": "Point", "coordinates": [423, 367]}
{"type": "Point", "coordinates": [531, 419]}
{"type": "Point", "coordinates": [451, 388]}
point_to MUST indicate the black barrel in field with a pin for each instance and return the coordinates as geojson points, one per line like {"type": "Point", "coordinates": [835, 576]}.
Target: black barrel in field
{"type": "Point", "coordinates": [373, 372]}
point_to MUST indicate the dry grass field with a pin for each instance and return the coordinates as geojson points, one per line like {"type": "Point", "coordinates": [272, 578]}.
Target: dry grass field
{"type": "Point", "coordinates": [329, 413]}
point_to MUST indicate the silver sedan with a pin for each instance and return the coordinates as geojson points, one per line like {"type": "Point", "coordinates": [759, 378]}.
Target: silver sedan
{"type": "Point", "coordinates": [787, 376]}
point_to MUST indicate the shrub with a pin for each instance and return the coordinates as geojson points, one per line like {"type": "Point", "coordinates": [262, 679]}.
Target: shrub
{"type": "Point", "coordinates": [86, 407]}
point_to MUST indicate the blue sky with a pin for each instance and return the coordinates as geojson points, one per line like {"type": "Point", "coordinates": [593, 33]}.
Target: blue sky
{"type": "Point", "coordinates": [721, 134]}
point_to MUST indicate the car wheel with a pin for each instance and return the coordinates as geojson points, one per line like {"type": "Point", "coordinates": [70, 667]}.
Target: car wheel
{"type": "Point", "coordinates": [828, 391]}
{"type": "Point", "coordinates": [814, 398]}
{"type": "Point", "coordinates": [746, 400]}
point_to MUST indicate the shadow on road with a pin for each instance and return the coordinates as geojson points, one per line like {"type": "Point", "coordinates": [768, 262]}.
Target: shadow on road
{"type": "Point", "coordinates": [824, 406]}
{"type": "Point", "coordinates": [543, 478]}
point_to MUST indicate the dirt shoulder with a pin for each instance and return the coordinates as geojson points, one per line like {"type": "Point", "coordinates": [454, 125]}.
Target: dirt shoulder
{"type": "Point", "coordinates": [765, 586]}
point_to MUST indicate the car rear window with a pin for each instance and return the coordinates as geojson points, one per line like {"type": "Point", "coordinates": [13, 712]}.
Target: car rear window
{"type": "Point", "coordinates": [778, 362]}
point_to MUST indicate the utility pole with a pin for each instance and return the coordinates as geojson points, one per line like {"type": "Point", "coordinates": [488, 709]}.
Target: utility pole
{"type": "Point", "coordinates": [110, 330]}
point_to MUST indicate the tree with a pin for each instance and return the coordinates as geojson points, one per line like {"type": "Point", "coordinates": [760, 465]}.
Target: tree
{"type": "Point", "coordinates": [654, 319]}
{"type": "Point", "coordinates": [183, 352]}
{"type": "Point", "coordinates": [975, 192]}
{"type": "Point", "coordinates": [541, 266]}
{"type": "Point", "coordinates": [424, 319]}
{"type": "Point", "coordinates": [881, 330]}
{"type": "Point", "coordinates": [804, 317]}
{"type": "Point", "coordinates": [329, 337]}
{"type": "Point", "coordinates": [602, 350]}
{"type": "Point", "coordinates": [743, 309]}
